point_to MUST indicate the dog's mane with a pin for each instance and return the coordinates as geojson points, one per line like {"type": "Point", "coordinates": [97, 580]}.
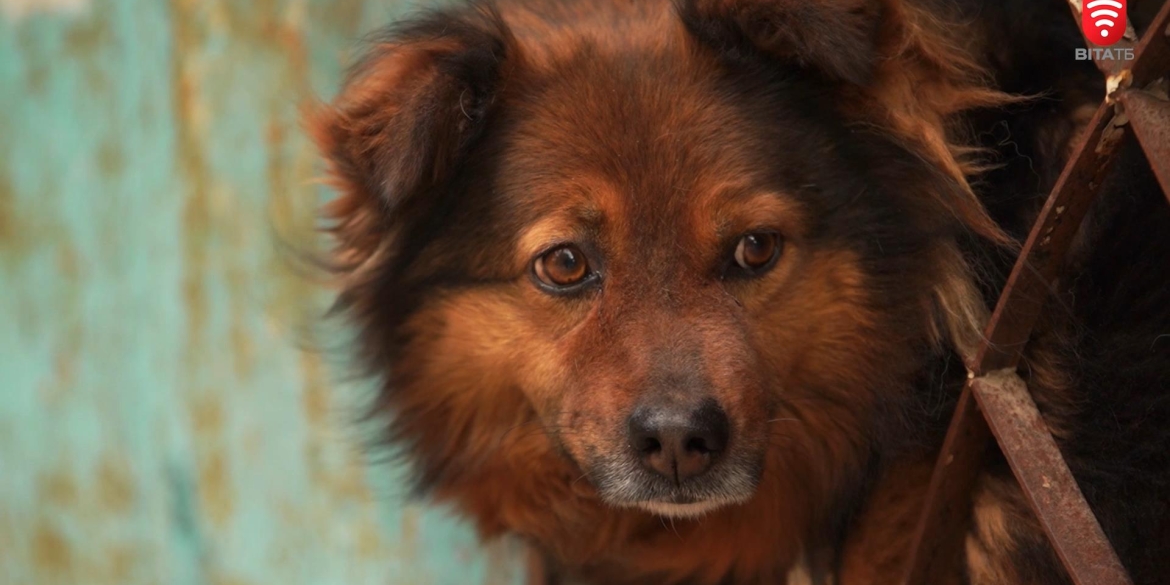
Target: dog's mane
{"type": "Point", "coordinates": [414, 105]}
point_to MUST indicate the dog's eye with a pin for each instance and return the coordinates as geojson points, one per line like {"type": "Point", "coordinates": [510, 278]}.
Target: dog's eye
{"type": "Point", "coordinates": [755, 253]}
{"type": "Point", "coordinates": [562, 267]}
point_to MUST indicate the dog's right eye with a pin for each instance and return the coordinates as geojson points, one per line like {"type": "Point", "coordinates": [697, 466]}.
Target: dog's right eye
{"type": "Point", "coordinates": [563, 268]}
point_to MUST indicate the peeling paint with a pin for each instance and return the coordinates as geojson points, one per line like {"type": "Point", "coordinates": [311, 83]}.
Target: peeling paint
{"type": "Point", "coordinates": [161, 422]}
{"type": "Point", "coordinates": [57, 488]}
{"type": "Point", "coordinates": [214, 492]}
{"type": "Point", "coordinates": [115, 488]}
{"type": "Point", "coordinates": [50, 551]}
{"type": "Point", "coordinates": [8, 222]}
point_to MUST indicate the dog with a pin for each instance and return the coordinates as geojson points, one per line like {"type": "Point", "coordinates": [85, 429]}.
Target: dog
{"type": "Point", "coordinates": [680, 292]}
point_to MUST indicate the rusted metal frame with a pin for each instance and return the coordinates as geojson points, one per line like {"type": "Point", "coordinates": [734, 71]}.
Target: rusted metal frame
{"type": "Point", "coordinates": [1152, 56]}
{"type": "Point", "coordinates": [1144, 96]}
{"type": "Point", "coordinates": [1070, 525]}
{"type": "Point", "coordinates": [940, 530]}
{"type": "Point", "coordinates": [934, 557]}
{"type": "Point", "coordinates": [1149, 116]}
{"type": "Point", "coordinates": [1052, 490]}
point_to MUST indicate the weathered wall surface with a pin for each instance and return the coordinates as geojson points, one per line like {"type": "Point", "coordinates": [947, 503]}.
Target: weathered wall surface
{"type": "Point", "coordinates": [158, 423]}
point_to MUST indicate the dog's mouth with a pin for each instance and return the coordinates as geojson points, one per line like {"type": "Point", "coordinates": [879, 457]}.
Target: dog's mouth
{"type": "Point", "coordinates": [684, 510]}
{"type": "Point", "coordinates": [622, 483]}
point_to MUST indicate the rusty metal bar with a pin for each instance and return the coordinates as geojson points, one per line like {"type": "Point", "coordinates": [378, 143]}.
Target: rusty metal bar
{"type": "Point", "coordinates": [1052, 491]}
{"type": "Point", "coordinates": [1152, 56]}
{"type": "Point", "coordinates": [1070, 525]}
{"type": "Point", "coordinates": [1036, 270]}
{"type": "Point", "coordinates": [939, 534]}
{"type": "Point", "coordinates": [1149, 116]}
{"type": "Point", "coordinates": [934, 554]}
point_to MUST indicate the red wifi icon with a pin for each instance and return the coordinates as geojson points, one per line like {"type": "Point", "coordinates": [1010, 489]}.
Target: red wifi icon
{"type": "Point", "coordinates": [1103, 21]}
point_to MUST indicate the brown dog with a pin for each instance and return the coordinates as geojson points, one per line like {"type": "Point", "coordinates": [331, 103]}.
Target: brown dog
{"type": "Point", "coordinates": [672, 290]}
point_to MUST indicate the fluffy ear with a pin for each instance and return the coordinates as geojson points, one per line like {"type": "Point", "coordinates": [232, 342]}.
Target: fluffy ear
{"type": "Point", "coordinates": [403, 119]}
{"type": "Point", "coordinates": [834, 37]}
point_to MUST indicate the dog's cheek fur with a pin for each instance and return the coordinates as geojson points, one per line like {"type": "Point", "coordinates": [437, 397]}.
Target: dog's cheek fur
{"type": "Point", "coordinates": [459, 407]}
{"type": "Point", "coordinates": [878, 544]}
{"type": "Point", "coordinates": [822, 342]}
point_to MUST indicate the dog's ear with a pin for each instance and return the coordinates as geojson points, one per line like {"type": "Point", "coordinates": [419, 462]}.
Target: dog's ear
{"type": "Point", "coordinates": [404, 117]}
{"type": "Point", "coordinates": [835, 37]}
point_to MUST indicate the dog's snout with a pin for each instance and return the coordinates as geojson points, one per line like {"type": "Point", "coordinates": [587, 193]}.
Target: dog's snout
{"type": "Point", "coordinates": [679, 441]}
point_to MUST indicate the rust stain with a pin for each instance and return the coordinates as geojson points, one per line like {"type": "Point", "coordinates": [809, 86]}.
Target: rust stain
{"type": "Point", "coordinates": [292, 213]}
{"type": "Point", "coordinates": [38, 78]}
{"type": "Point", "coordinates": [214, 486]}
{"type": "Point", "coordinates": [289, 514]}
{"type": "Point", "coordinates": [315, 398]}
{"type": "Point", "coordinates": [8, 225]}
{"type": "Point", "coordinates": [369, 542]}
{"type": "Point", "coordinates": [67, 262]}
{"type": "Point", "coordinates": [96, 81]}
{"type": "Point", "coordinates": [193, 170]}
{"type": "Point", "coordinates": [344, 15]}
{"type": "Point", "coordinates": [253, 443]}
{"type": "Point", "coordinates": [243, 347]}
{"type": "Point", "coordinates": [343, 480]}
{"type": "Point", "coordinates": [350, 484]}
{"type": "Point", "coordinates": [50, 551]}
{"type": "Point", "coordinates": [220, 579]}
{"type": "Point", "coordinates": [274, 136]}
{"type": "Point", "coordinates": [86, 37]}
{"type": "Point", "coordinates": [58, 386]}
{"type": "Point", "coordinates": [316, 402]}
{"type": "Point", "coordinates": [315, 462]}
{"type": "Point", "coordinates": [409, 528]}
{"type": "Point", "coordinates": [120, 563]}
{"type": "Point", "coordinates": [291, 218]}
{"type": "Point", "coordinates": [8, 532]}
{"type": "Point", "coordinates": [115, 487]}
{"type": "Point", "coordinates": [57, 488]}
{"type": "Point", "coordinates": [22, 228]}
{"type": "Point", "coordinates": [277, 173]}
{"type": "Point", "coordinates": [110, 159]}
{"type": "Point", "coordinates": [207, 415]}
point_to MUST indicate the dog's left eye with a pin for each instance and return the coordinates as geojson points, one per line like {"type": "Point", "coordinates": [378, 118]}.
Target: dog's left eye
{"type": "Point", "coordinates": [755, 253]}
{"type": "Point", "coordinates": [562, 268]}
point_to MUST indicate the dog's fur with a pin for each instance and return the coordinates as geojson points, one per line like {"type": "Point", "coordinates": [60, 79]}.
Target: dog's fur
{"type": "Point", "coordinates": [882, 139]}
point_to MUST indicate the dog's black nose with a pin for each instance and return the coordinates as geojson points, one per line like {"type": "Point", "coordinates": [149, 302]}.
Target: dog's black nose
{"type": "Point", "coordinates": [679, 441]}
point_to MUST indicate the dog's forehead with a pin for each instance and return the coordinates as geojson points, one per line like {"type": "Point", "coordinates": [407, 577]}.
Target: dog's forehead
{"type": "Point", "coordinates": [651, 136]}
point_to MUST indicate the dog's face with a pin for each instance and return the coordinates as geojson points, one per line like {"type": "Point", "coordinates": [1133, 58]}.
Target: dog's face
{"type": "Point", "coordinates": [684, 269]}
{"type": "Point", "coordinates": [655, 239]}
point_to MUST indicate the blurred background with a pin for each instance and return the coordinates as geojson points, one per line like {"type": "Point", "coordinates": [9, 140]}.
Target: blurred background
{"type": "Point", "coordinates": [160, 422]}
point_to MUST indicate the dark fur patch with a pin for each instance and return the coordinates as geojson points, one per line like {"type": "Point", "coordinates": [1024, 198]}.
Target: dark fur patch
{"type": "Point", "coordinates": [837, 39]}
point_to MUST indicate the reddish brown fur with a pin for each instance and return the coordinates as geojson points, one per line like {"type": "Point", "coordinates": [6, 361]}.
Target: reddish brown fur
{"type": "Point", "coordinates": [519, 391]}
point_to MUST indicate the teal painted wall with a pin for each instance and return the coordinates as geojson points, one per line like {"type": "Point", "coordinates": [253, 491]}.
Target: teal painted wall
{"type": "Point", "coordinates": [159, 422]}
